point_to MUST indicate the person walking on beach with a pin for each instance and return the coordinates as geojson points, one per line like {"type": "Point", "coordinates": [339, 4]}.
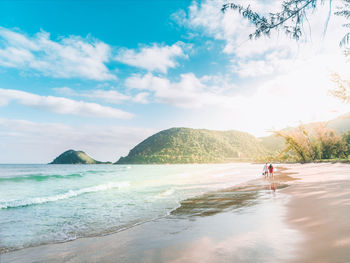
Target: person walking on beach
{"type": "Point", "coordinates": [265, 170]}
{"type": "Point", "coordinates": [271, 170]}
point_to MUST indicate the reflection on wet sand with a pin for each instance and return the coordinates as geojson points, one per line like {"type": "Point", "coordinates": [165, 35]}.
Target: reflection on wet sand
{"type": "Point", "coordinates": [273, 186]}
{"type": "Point", "coordinates": [216, 202]}
{"type": "Point", "coordinates": [232, 198]}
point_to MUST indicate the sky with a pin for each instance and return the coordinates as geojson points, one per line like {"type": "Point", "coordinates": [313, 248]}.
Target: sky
{"type": "Point", "coordinates": [101, 76]}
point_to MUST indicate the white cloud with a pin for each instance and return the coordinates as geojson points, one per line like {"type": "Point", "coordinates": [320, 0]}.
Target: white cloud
{"type": "Point", "coordinates": [141, 97]}
{"type": "Point", "coordinates": [61, 105]}
{"type": "Point", "coordinates": [254, 68]}
{"type": "Point", "coordinates": [293, 76]}
{"type": "Point", "coordinates": [110, 96]}
{"type": "Point", "coordinates": [273, 62]}
{"type": "Point", "coordinates": [154, 58]}
{"type": "Point", "coordinates": [65, 91]}
{"type": "Point", "coordinates": [249, 58]}
{"type": "Point", "coordinates": [42, 142]}
{"type": "Point", "coordinates": [188, 92]}
{"type": "Point", "coordinates": [295, 82]}
{"type": "Point", "coordinates": [229, 26]}
{"type": "Point", "coordinates": [300, 95]}
{"type": "Point", "coordinates": [263, 56]}
{"type": "Point", "coordinates": [68, 57]}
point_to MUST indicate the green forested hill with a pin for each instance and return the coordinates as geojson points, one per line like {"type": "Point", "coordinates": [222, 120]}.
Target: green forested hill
{"type": "Point", "coordinates": [185, 145]}
{"type": "Point", "coordinates": [272, 143]}
{"type": "Point", "coordinates": [74, 157]}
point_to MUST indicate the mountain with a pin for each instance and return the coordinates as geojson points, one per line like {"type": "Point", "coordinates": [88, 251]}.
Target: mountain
{"type": "Point", "coordinates": [185, 145]}
{"type": "Point", "coordinates": [340, 124]}
{"type": "Point", "coordinates": [272, 143]}
{"type": "Point", "coordinates": [74, 157]}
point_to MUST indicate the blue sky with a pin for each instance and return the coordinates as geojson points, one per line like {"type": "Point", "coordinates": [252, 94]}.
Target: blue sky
{"type": "Point", "coordinates": [101, 76]}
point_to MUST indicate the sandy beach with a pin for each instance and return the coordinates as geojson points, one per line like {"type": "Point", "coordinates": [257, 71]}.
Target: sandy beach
{"type": "Point", "coordinates": [304, 220]}
{"type": "Point", "coordinates": [319, 209]}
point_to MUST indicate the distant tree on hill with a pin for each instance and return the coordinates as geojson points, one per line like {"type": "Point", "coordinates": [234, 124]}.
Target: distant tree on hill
{"type": "Point", "coordinates": [298, 142]}
{"type": "Point", "coordinates": [290, 19]}
{"type": "Point", "coordinates": [314, 143]}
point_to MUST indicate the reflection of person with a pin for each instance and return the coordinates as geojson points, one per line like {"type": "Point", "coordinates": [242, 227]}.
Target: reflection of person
{"type": "Point", "coordinates": [273, 186]}
{"type": "Point", "coordinates": [271, 170]}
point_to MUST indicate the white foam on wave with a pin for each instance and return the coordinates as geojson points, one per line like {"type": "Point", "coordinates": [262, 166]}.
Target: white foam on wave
{"type": "Point", "coordinates": [165, 193]}
{"type": "Point", "coordinates": [69, 194]}
{"type": "Point", "coordinates": [168, 192]}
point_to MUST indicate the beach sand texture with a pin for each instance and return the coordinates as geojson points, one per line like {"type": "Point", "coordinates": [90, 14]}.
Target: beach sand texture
{"type": "Point", "coordinates": [320, 209]}
{"type": "Point", "coordinates": [308, 221]}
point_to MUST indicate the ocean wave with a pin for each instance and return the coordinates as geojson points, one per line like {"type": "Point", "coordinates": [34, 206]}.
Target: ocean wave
{"type": "Point", "coordinates": [69, 194]}
{"type": "Point", "coordinates": [38, 177]}
{"type": "Point", "coordinates": [167, 192]}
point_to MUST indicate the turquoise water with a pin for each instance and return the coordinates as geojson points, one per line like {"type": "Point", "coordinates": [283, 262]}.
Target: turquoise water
{"type": "Point", "coordinates": [42, 204]}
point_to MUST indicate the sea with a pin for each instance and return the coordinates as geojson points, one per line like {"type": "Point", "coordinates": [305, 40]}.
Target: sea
{"type": "Point", "coordinates": [42, 204]}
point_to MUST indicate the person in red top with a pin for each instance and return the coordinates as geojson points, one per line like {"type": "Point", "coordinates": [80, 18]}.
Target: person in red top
{"type": "Point", "coordinates": [271, 170]}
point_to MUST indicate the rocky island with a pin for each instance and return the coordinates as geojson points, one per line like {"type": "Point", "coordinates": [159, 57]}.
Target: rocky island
{"type": "Point", "coordinates": [75, 157]}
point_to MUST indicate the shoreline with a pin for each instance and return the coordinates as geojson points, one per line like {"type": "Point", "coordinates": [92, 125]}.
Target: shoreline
{"type": "Point", "coordinates": [258, 184]}
{"type": "Point", "coordinates": [247, 193]}
{"type": "Point", "coordinates": [305, 201]}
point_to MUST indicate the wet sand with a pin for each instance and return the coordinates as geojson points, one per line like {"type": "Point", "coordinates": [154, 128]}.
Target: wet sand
{"type": "Point", "coordinates": [305, 222]}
